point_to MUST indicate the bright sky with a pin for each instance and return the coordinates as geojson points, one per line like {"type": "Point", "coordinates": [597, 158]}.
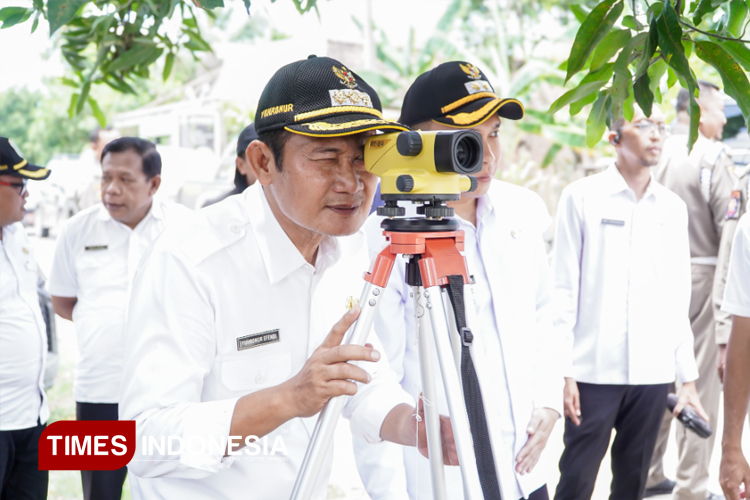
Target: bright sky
{"type": "Point", "coordinates": [26, 58]}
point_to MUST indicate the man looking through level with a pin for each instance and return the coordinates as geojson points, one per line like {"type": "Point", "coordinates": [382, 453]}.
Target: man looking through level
{"type": "Point", "coordinates": [229, 332]}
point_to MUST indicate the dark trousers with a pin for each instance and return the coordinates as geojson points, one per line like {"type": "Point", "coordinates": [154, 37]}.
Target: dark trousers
{"type": "Point", "coordinates": [100, 484]}
{"type": "Point", "coordinates": [635, 412]}
{"type": "Point", "coordinates": [20, 477]}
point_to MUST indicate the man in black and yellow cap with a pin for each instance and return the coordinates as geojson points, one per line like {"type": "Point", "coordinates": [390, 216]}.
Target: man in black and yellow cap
{"type": "Point", "coordinates": [229, 335]}
{"type": "Point", "coordinates": [503, 225]}
{"type": "Point", "coordinates": [23, 404]}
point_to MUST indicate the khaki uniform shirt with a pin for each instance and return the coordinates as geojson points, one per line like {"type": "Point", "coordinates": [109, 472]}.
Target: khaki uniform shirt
{"type": "Point", "coordinates": [738, 205]}
{"type": "Point", "coordinates": [706, 199]}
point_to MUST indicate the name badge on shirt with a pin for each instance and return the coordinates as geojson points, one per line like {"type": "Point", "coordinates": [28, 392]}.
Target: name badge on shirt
{"type": "Point", "coordinates": [258, 339]}
{"type": "Point", "coordinates": [613, 222]}
{"type": "Point", "coordinates": [95, 247]}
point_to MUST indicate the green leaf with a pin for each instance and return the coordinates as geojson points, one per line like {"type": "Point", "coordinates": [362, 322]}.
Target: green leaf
{"type": "Point", "coordinates": [655, 74]}
{"type": "Point", "coordinates": [97, 111]}
{"type": "Point", "coordinates": [694, 110]}
{"type": "Point", "coordinates": [83, 97]}
{"type": "Point", "coordinates": [705, 7]}
{"type": "Point", "coordinates": [670, 41]}
{"type": "Point", "coordinates": [603, 74]}
{"type": "Point", "coordinates": [168, 63]}
{"type": "Point", "coordinates": [10, 16]}
{"type": "Point", "coordinates": [735, 80]}
{"type": "Point", "coordinates": [643, 94]}
{"type": "Point", "coordinates": [579, 12]}
{"type": "Point", "coordinates": [614, 41]}
{"type": "Point", "coordinates": [622, 77]}
{"type": "Point", "coordinates": [739, 51]}
{"type": "Point", "coordinates": [649, 48]}
{"type": "Point", "coordinates": [72, 105]}
{"type": "Point", "coordinates": [577, 93]}
{"type": "Point", "coordinates": [551, 153]}
{"type": "Point", "coordinates": [61, 12]}
{"type": "Point", "coordinates": [596, 26]}
{"type": "Point", "coordinates": [131, 57]}
{"type": "Point", "coordinates": [629, 22]}
{"type": "Point", "coordinates": [208, 4]}
{"type": "Point", "coordinates": [671, 78]}
{"type": "Point", "coordinates": [628, 107]}
{"type": "Point", "coordinates": [654, 11]}
{"type": "Point", "coordinates": [36, 21]}
{"type": "Point", "coordinates": [738, 10]}
{"type": "Point", "coordinates": [597, 120]}
{"type": "Point", "coordinates": [196, 43]}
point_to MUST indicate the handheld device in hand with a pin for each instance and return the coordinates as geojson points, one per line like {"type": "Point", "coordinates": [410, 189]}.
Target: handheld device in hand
{"type": "Point", "coordinates": [690, 418]}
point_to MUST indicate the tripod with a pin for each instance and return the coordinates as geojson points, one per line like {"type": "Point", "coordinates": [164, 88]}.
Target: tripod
{"type": "Point", "coordinates": [437, 274]}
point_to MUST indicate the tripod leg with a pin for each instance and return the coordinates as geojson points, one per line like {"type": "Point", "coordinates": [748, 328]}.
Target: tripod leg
{"type": "Point", "coordinates": [451, 382]}
{"type": "Point", "coordinates": [432, 417]}
{"type": "Point", "coordinates": [322, 436]}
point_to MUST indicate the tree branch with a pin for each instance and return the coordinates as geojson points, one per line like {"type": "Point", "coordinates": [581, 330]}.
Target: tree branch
{"type": "Point", "coordinates": [713, 35]}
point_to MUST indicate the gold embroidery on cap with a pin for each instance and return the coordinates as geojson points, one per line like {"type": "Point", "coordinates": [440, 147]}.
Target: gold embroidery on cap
{"type": "Point", "coordinates": [284, 108]}
{"type": "Point", "coordinates": [337, 110]}
{"type": "Point", "coordinates": [345, 76]}
{"type": "Point", "coordinates": [350, 97]}
{"type": "Point", "coordinates": [471, 70]}
{"type": "Point", "coordinates": [466, 100]}
{"type": "Point", "coordinates": [326, 127]}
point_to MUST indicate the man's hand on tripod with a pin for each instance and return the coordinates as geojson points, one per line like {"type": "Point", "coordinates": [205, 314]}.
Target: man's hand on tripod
{"type": "Point", "coordinates": [540, 427]}
{"type": "Point", "coordinates": [450, 455]}
{"type": "Point", "coordinates": [328, 373]}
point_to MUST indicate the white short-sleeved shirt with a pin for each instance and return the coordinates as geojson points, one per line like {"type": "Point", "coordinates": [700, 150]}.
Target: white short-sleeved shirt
{"type": "Point", "coordinates": [23, 337]}
{"type": "Point", "coordinates": [737, 292]}
{"type": "Point", "coordinates": [95, 260]}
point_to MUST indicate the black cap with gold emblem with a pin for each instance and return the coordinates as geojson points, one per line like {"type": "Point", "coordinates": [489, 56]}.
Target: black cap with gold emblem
{"type": "Point", "coordinates": [319, 96]}
{"type": "Point", "coordinates": [11, 163]}
{"type": "Point", "coordinates": [455, 93]}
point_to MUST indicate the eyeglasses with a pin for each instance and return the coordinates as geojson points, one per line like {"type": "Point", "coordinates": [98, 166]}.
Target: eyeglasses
{"type": "Point", "coordinates": [647, 128]}
{"type": "Point", "coordinates": [20, 185]}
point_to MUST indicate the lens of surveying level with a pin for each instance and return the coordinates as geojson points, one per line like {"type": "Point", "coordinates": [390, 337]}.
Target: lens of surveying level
{"type": "Point", "coordinates": [458, 152]}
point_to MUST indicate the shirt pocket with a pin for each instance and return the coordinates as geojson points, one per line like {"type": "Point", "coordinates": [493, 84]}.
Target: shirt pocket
{"type": "Point", "coordinates": [250, 373]}
{"type": "Point", "coordinates": [92, 268]}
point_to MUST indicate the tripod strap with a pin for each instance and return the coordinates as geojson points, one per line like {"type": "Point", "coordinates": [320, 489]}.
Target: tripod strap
{"type": "Point", "coordinates": [473, 395]}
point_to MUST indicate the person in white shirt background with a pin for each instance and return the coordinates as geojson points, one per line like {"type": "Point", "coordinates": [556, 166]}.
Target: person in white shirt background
{"type": "Point", "coordinates": [503, 226]}
{"type": "Point", "coordinates": [621, 295]}
{"type": "Point", "coordinates": [229, 329]}
{"type": "Point", "coordinates": [23, 338]}
{"type": "Point", "coordinates": [735, 472]}
{"type": "Point", "coordinates": [96, 255]}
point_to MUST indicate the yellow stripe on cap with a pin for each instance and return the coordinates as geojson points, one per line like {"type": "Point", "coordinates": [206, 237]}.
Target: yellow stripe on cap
{"type": "Point", "coordinates": [338, 110]}
{"type": "Point", "coordinates": [480, 115]}
{"type": "Point", "coordinates": [19, 166]}
{"type": "Point", "coordinates": [466, 100]}
{"type": "Point", "coordinates": [34, 174]}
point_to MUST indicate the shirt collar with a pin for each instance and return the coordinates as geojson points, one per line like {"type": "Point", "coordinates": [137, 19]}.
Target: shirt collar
{"type": "Point", "coordinates": [156, 211]}
{"type": "Point", "coordinates": [280, 257]}
{"type": "Point", "coordinates": [615, 182]}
